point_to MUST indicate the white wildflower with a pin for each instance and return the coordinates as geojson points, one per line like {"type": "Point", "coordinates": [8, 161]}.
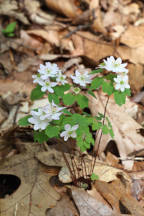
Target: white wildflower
{"type": "Point", "coordinates": [37, 122]}
{"type": "Point", "coordinates": [121, 83]}
{"type": "Point", "coordinates": [114, 65]}
{"type": "Point", "coordinates": [61, 78]}
{"type": "Point", "coordinates": [37, 79]}
{"type": "Point", "coordinates": [53, 111]}
{"type": "Point", "coordinates": [48, 70]}
{"type": "Point", "coordinates": [47, 86]}
{"type": "Point", "coordinates": [70, 131]}
{"type": "Point", "coordinates": [82, 79]}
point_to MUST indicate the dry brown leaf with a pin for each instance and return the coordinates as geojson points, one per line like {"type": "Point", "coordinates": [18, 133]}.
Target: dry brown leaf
{"type": "Point", "coordinates": [78, 44]}
{"type": "Point", "coordinates": [50, 36]}
{"type": "Point", "coordinates": [64, 207]}
{"type": "Point", "coordinates": [66, 7]}
{"type": "Point", "coordinates": [124, 127]}
{"type": "Point", "coordinates": [36, 14]}
{"type": "Point", "coordinates": [87, 205]}
{"type": "Point", "coordinates": [35, 194]}
{"type": "Point", "coordinates": [30, 42]}
{"type": "Point", "coordinates": [136, 77]}
{"type": "Point", "coordinates": [10, 8]}
{"type": "Point", "coordinates": [98, 23]}
{"type": "Point", "coordinates": [133, 36]}
{"type": "Point", "coordinates": [117, 192]}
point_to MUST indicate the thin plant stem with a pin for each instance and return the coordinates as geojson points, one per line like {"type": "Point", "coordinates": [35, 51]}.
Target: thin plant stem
{"type": "Point", "coordinates": [67, 163]}
{"type": "Point", "coordinates": [100, 135]}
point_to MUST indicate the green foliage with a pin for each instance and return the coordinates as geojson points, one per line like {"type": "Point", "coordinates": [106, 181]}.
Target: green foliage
{"type": "Point", "coordinates": [9, 30]}
{"type": "Point", "coordinates": [120, 97]}
{"type": "Point", "coordinates": [59, 90]}
{"type": "Point", "coordinates": [24, 121]}
{"type": "Point", "coordinates": [107, 87]}
{"type": "Point", "coordinates": [82, 101]}
{"type": "Point", "coordinates": [96, 83]}
{"type": "Point", "coordinates": [53, 97]}
{"type": "Point", "coordinates": [40, 137]}
{"type": "Point", "coordinates": [100, 70]}
{"type": "Point", "coordinates": [36, 93]}
{"type": "Point", "coordinates": [94, 177]}
{"type": "Point", "coordinates": [69, 99]}
{"type": "Point", "coordinates": [52, 131]}
{"type": "Point", "coordinates": [91, 93]}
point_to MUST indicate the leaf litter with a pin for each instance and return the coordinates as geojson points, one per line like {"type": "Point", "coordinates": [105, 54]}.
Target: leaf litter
{"type": "Point", "coordinates": [71, 33]}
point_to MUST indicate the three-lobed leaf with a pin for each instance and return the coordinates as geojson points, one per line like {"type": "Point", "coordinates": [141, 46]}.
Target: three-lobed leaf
{"type": "Point", "coordinates": [24, 121]}
{"type": "Point", "coordinates": [36, 93]}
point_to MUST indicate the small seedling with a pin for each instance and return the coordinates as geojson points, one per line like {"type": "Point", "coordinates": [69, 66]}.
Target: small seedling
{"type": "Point", "coordinates": [9, 30]}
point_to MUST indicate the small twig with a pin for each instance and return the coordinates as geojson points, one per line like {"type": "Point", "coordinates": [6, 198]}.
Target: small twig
{"type": "Point", "coordinates": [67, 163]}
{"type": "Point", "coordinates": [100, 135]}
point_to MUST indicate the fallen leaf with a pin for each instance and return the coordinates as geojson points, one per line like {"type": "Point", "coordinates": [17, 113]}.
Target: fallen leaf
{"type": "Point", "coordinates": [87, 205]}
{"type": "Point", "coordinates": [64, 207]}
{"type": "Point", "coordinates": [34, 194]}
{"type": "Point", "coordinates": [50, 36]}
{"type": "Point", "coordinates": [117, 192]}
{"type": "Point", "coordinates": [133, 39]}
{"type": "Point", "coordinates": [36, 14]}
{"type": "Point", "coordinates": [10, 8]}
{"type": "Point", "coordinates": [68, 8]}
{"type": "Point", "coordinates": [124, 127]}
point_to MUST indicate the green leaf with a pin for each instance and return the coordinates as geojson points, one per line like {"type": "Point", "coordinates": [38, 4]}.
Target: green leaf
{"type": "Point", "coordinates": [91, 93]}
{"type": "Point", "coordinates": [110, 76]}
{"type": "Point", "coordinates": [96, 125]}
{"type": "Point", "coordinates": [59, 90]}
{"type": "Point", "coordinates": [36, 93]}
{"type": "Point", "coordinates": [128, 92]}
{"type": "Point", "coordinates": [96, 71]}
{"type": "Point", "coordinates": [94, 177]}
{"type": "Point", "coordinates": [53, 97]}
{"type": "Point", "coordinates": [119, 97]}
{"type": "Point", "coordinates": [52, 131]}
{"type": "Point", "coordinates": [82, 101]}
{"type": "Point", "coordinates": [111, 133]}
{"type": "Point", "coordinates": [105, 129]}
{"type": "Point", "coordinates": [96, 83]}
{"type": "Point", "coordinates": [107, 88]}
{"type": "Point", "coordinates": [10, 34]}
{"type": "Point", "coordinates": [24, 121]}
{"type": "Point", "coordinates": [9, 28]}
{"type": "Point", "coordinates": [69, 99]}
{"type": "Point", "coordinates": [40, 136]}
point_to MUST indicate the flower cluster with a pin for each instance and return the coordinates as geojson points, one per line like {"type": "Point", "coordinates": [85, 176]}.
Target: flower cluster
{"type": "Point", "coordinates": [116, 66]}
{"type": "Point", "coordinates": [82, 79]}
{"type": "Point", "coordinates": [49, 75]}
{"type": "Point", "coordinates": [44, 115]}
{"type": "Point", "coordinates": [70, 131]}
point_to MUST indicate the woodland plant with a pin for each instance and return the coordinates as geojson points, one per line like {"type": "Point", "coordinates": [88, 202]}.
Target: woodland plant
{"type": "Point", "coordinates": [58, 118]}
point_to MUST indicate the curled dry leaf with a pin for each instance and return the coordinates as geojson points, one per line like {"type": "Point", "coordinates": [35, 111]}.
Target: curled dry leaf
{"type": "Point", "coordinates": [30, 42]}
{"type": "Point", "coordinates": [87, 205]}
{"type": "Point", "coordinates": [118, 192]}
{"type": "Point", "coordinates": [124, 127]}
{"type": "Point", "coordinates": [36, 14]}
{"type": "Point", "coordinates": [98, 23]}
{"type": "Point", "coordinates": [50, 36]}
{"type": "Point", "coordinates": [66, 7]}
{"type": "Point", "coordinates": [10, 8]}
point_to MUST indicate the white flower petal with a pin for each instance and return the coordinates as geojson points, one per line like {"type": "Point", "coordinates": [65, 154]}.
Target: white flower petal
{"type": "Point", "coordinates": [75, 127]}
{"type": "Point", "coordinates": [67, 127]}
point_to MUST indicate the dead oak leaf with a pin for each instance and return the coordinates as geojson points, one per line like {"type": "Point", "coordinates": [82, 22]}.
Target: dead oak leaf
{"type": "Point", "coordinates": [34, 194]}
